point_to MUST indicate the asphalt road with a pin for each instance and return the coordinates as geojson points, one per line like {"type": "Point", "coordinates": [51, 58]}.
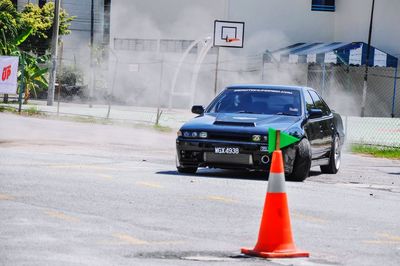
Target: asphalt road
{"type": "Point", "coordinates": [89, 194]}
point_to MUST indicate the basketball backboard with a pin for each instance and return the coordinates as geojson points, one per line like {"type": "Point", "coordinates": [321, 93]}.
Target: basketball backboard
{"type": "Point", "coordinates": [228, 33]}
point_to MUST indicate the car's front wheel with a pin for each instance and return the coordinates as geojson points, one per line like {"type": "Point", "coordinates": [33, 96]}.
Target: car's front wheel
{"type": "Point", "coordinates": [302, 162]}
{"type": "Point", "coordinates": [334, 158]}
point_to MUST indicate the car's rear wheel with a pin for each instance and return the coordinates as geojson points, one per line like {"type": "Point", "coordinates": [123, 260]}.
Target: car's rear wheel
{"type": "Point", "coordinates": [302, 162]}
{"type": "Point", "coordinates": [334, 158]}
{"type": "Point", "coordinates": [184, 169]}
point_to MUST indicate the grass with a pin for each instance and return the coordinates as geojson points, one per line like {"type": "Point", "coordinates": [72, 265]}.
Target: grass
{"type": "Point", "coordinates": [85, 119]}
{"type": "Point", "coordinates": [7, 109]}
{"type": "Point", "coordinates": [31, 111]}
{"type": "Point", "coordinates": [162, 128]}
{"type": "Point", "coordinates": [377, 151]}
{"type": "Point", "coordinates": [34, 111]}
{"type": "Point", "coordinates": [104, 121]}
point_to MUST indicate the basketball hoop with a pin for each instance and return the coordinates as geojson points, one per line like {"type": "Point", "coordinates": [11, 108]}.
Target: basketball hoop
{"type": "Point", "coordinates": [228, 34]}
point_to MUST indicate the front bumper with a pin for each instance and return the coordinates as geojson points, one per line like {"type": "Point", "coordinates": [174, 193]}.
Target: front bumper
{"type": "Point", "coordinates": [201, 153]}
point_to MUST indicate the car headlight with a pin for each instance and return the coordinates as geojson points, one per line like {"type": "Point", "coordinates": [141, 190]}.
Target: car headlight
{"type": "Point", "coordinates": [256, 138]}
{"type": "Point", "coordinates": [194, 134]}
{"type": "Point", "coordinates": [179, 133]}
{"type": "Point", "coordinates": [203, 135]}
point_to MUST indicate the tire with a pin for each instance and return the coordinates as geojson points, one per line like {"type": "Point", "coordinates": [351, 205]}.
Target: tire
{"type": "Point", "coordinates": [302, 162]}
{"type": "Point", "coordinates": [184, 170]}
{"type": "Point", "coordinates": [334, 158]}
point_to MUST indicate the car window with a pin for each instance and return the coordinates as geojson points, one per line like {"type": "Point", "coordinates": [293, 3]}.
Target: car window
{"type": "Point", "coordinates": [258, 101]}
{"type": "Point", "coordinates": [319, 103]}
{"type": "Point", "coordinates": [309, 101]}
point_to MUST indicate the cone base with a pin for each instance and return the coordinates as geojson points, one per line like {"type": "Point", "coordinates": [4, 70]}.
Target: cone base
{"type": "Point", "coordinates": [277, 254]}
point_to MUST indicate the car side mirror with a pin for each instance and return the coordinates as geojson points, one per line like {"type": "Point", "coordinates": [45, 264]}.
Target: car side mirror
{"type": "Point", "coordinates": [197, 109]}
{"type": "Point", "coordinates": [314, 113]}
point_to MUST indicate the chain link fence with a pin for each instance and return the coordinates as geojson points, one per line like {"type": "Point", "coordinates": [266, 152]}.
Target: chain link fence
{"type": "Point", "coordinates": [134, 80]}
{"type": "Point", "coordinates": [342, 88]}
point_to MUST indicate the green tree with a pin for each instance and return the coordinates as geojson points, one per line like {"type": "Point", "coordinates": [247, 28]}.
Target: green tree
{"type": "Point", "coordinates": [34, 75]}
{"type": "Point", "coordinates": [10, 27]}
{"type": "Point", "coordinates": [41, 21]}
{"type": "Point", "coordinates": [28, 34]}
{"type": "Point", "coordinates": [8, 15]}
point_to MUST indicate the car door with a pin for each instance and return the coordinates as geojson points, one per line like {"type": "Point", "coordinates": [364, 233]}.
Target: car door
{"type": "Point", "coordinates": [325, 123]}
{"type": "Point", "coordinates": [313, 129]}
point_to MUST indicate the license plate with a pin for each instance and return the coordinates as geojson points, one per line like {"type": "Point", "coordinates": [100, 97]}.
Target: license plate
{"type": "Point", "coordinates": [226, 150]}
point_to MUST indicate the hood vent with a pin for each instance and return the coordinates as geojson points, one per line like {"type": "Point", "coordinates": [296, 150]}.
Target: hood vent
{"type": "Point", "coordinates": [236, 124]}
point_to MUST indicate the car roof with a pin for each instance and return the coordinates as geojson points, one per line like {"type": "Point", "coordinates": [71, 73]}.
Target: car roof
{"type": "Point", "coordinates": [267, 86]}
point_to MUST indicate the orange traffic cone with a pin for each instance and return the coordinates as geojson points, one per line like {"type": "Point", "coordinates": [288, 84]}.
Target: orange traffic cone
{"type": "Point", "coordinates": [275, 237]}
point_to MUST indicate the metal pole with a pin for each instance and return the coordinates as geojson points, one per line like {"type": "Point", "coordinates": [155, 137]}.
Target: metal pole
{"type": "Point", "coordinates": [323, 79]}
{"type": "Point", "coordinates": [159, 111]}
{"type": "Point", "coordinates": [54, 44]}
{"type": "Point", "coordinates": [112, 84]}
{"type": "Point", "coordinates": [178, 68]}
{"type": "Point", "coordinates": [161, 79]}
{"type": "Point", "coordinates": [196, 69]}
{"type": "Point", "coordinates": [216, 73]}
{"type": "Point", "coordinates": [365, 85]}
{"type": "Point", "coordinates": [92, 71]}
{"type": "Point", "coordinates": [262, 67]}
{"type": "Point", "coordinates": [21, 87]}
{"type": "Point", "coordinates": [59, 82]}
{"type": "Point", "coordinates": [394, 90]}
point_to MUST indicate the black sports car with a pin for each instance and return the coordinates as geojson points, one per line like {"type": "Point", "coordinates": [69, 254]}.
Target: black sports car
{"type": "Point", "coordinates": [232, 131]}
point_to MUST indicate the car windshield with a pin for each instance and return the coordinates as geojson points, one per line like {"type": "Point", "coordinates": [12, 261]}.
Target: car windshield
{"type": "Point", "coordinates": [257, 101]}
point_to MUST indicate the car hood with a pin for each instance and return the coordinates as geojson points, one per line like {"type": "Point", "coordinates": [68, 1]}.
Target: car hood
{"type": "Point", "coordinates": [240, 121]}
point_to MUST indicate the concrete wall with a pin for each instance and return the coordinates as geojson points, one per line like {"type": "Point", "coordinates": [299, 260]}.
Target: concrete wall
{"type": "Point", "coordinates": [276, 23]}
{"type": "Point", "coordinates": [174, 19]}
{"type": "Point", "coordinates": [267, 22]}
{"type": "Point", "coordinates": [76, 45]}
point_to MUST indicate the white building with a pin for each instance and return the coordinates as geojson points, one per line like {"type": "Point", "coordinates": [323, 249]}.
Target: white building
{"type": "Point", "coordinates": [146, 32]}
{"type": "Point", "coordinates": [76, 46]}
{"type": "Point", "coordinates": [269, 22]}
{"type": "Point", "coordinates": [149, 38]}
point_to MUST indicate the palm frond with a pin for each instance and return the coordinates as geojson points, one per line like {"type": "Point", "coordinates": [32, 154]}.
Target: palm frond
{"type": "Point", "coordinates": [40, 72]}
{"type": "Point", "coordinates": [40, 83]}
{"type": "Point", "coordinates": [23, 36]}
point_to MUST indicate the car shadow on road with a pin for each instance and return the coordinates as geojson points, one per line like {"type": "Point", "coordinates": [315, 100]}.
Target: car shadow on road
{"type": "Point", "coordinates": [229, 174]}
{"type": "Point", "coordinates": [222, 174]}
{"type": "Point", "coordinates": [314, 173]}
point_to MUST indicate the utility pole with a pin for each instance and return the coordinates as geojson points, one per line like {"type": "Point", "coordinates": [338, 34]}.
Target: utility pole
{"type": "Point", "coordinates": [54, 45]}
{"type": "Point", "coordinates": [92, 71]}
{"type": "Point", "coordinates": [59, 84]}
{"type": "Point", "coordinates": [365, 87]}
